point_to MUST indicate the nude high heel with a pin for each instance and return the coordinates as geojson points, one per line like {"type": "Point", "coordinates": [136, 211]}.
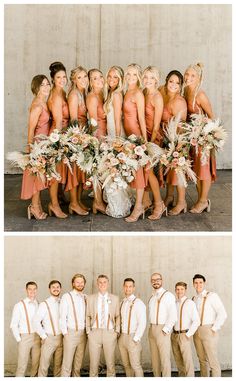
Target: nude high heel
{"type": "Point", "coordinates": [204, 206]}
{"type": "Point", "coordinates": [31, 212]}
{"type": "Point", "coordinates": [136, 213]}
{"type": "Point", "coordinates": [159, 210]}
{"type": "Point", "coordinates": [57, 213]}
{"type": "Point", "coordinates": [74, 210]}
{"type": "Point", "coordinates": [175, 211]}
{"type": "Point", "coordinates": [97, 208]}
{"type": "Point", "coordinates": [169, 201]}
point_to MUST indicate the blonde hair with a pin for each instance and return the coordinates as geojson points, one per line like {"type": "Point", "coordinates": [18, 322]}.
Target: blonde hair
{"type": "Point", "coordinates": [90, 72]}
{"type": "Point", "coordinates": [139, 75]}
{"type": "Point", "coordinates": [78, 276]}
{"type": "Point", "coordinates": [108, 91]}
{"type": "Point", "coordinates": [198, 67]}
{"type": "Point", "coordinates": [155, 72]}
{"type": "Point", "coordinates": [73, 74]}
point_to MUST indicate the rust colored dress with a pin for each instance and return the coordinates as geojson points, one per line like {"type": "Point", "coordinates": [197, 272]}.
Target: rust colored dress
{"type": "Point", "coordinates": [208, 170]}
{"type": "Point", "coordinates": [62, 168]}
{"type": "Point", "coordinates": [77, 176]}
{"type": "Point", "coordinates": [101, 120]}
{"type": "Point", "coordinates": [171, 177]}
{"type": "Point", "coordinates": [31, 183]}
{"type": "Point", "coordinates": [131, 126]}
{"type": "Point", "coordinates": [149, 117]}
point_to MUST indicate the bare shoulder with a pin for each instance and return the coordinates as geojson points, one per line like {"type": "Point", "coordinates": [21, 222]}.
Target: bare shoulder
{"type": "Point", "coordinates": [161, 89]}
{"type": "Point", "coordinates": [117, 96]}
{"type": "Point", "coordinates": [201, 96]}
{"type": "Point", "coordinates": [91, 98]}
{"type": "Point", "coordinates": [139, 94]}
{"type": "Point", "coordinates": [72, 95]}
{"type": "Point", "coordinates": [158, 98]}
{"type": "Point", "coordinates": [36, 107]}
{"type": "Point", "coordinates": [180, 102]}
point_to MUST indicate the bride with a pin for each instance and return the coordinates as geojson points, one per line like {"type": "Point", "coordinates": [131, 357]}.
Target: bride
{"type": "Point", "coordinates": [118, 200]}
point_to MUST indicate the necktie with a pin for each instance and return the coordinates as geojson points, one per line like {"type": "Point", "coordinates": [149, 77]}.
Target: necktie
{"type": "Point", "coordinates": [103, 313]}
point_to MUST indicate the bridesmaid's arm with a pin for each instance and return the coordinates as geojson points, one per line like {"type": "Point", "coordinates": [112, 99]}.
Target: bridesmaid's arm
{"type": "Point", "coordinates": [141, 114]}
{"type": "Point", "coordinates": [92, 106]}
{"type": "Point", "coordinates": [158, 105]}
{"type": "Point", "coordinates": [117, 105]}
{"type": "Point", "coordinates": [180, 108]}
{"type": "Point", "coordinates": [73, 103]}
{"type": "Point", "coordinates": [57, 111]}
{"type": "Point", "coordinates": [205, 104]}
{"type": "Point", "coordinates": [33, 121]}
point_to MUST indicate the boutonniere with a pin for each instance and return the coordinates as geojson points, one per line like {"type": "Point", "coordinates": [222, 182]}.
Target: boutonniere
{"type": "Point", "coordinates": [109, 301]}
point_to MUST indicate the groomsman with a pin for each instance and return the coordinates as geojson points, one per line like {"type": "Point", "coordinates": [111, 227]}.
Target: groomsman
{"type": "Point", "coordinates": [133, 324]}
{"type": "Point", "coordinates": [103, 326]}
{"type": "Point", "coordinates": [46, 323]}
{"type": "Point", "coordinates": [162, 315]}
{"type": "Point", "coordinates": [24, 333]}
{"type": "Point", "coordinates": [184, 328]}
{"type": "Point", "coordinates": [72, 324]}
{"type": "Point", "coordinates": [212, 316]}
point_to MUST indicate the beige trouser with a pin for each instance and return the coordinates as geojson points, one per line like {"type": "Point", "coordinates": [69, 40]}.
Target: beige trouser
{"type": "Point", "coordinates": [160, 351]}
{"type": "Point", "coordinates": [130, 355]}
{"type": "Point", "coordinates": [107, 339]}
{"type": "Point", "coordinates": [30, 343]}
{"type": "Point", "coordinates": [51, 347]}
{"type": "Point", "coordinates": [74, 344]}
{"type": "Point", "coordinates": [206, 341]}
{"type": "Point", "coordinates": [181, 347]}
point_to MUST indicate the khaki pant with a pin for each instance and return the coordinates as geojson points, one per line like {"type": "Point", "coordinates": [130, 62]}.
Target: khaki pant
{"type": "Point", "coordinates": [74, 344]}
{"type": "Point", "coordinates": [51, 347]}
{"type": "Point", "coordinates": [130, 355]}
{"type": "Point", "coordinates": [160, 351]}
{"type": "Point", "coordinates": [181, 347]}
{"type": "Point", "coordinates": [205, 341]}
{"type": "Point", "coordinates": [29, 344]}
{"type": "Point", "coordinates": [107, 339]}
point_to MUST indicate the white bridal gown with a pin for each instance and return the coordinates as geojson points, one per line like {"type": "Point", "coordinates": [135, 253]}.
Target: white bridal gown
{"type": "Point", "coordinates": [118, 200]}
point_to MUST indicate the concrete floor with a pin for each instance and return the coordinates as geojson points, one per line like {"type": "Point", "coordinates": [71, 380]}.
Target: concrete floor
{"type": "Point", "coordinates": [219, 219]}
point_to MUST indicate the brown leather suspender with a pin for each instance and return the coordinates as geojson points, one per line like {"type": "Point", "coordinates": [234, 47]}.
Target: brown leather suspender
{"type": "Point", "coordinates": [50, 317]}
{"type": "Point", "coordinates": [158, 305]}
{"type": "Point", "coordinates": [75, 317]}
{"type": "Point", "coordinates": [27, 316]}
{"type": "Point", "coordinates": [181, 312]}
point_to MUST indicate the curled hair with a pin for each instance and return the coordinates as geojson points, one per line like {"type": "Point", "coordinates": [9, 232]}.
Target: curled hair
{"type": "Point", "coordinates": [178, 74]}
{"type": "Point", "coordinates": [73, 74]}
{"type": "Point", "coordinates": [55, 67]}
{"type": "Point", "coordinates": [139, 75]}
{"type": "Point", "coordinates": [78, 276]}
{"type": "Point", "coordinates": [90, 72]}
{"type": "Point", "coordinates": [37, 82]}
{"type": "Point", "coordinates": [198, 67]}
{"type": "Point", "coordinates": [155, 72]}
{"type": "Point", "coordinates": [108, 91]}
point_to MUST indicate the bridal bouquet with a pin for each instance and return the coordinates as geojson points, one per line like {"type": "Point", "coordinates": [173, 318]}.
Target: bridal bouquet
{"type": "Point", "coordinates": [206, 134]}
{"type": "Point", "coordinates": [176, 156]}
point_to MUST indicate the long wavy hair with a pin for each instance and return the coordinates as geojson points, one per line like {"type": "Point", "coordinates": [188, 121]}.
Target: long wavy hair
{"type": "Point", "coordinates": [108, 92]}
{"type": "Point", "coordinates": [139, 75]}
{"type": "Point", "coordinates": [90, 72]}
{"type": "Point", "coordinates": [156, 74]}
{"type": "Point", "coordinates": [73, 74]}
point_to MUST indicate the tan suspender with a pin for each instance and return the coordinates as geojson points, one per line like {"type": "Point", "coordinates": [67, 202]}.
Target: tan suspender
{"type": "Point", "coordinates": [50, 317]}
{"type": "Point", "coordinates": [27, 316]}
{"type": "Point", "coordinates": [181, 312]}
{"type": "Point", "coordinates": [158, 305]}
{"type": "Point", "coordinates": [203, 308]}
{"type": "Point", "coordinates": [75, 317]}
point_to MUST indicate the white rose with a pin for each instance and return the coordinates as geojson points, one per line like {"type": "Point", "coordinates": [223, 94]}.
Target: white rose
{"type": "Point", "coordinates": [54, 136]}
{"type": "Point", "coordinates": [93, 122]}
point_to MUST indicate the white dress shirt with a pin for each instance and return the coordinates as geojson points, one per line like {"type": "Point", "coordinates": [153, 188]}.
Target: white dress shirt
{"type": "Point", "coordinates": [67, 318]}
{"type": "Point", "coordinates": [18, 320]}
{"type": "Point", "coordinates": [138, 318]}
{"type": "Point", "coordinates": [42, 322]}
{"type": "Point", "coordinates": [190, 317]}
{"type": "Point", "coordinates": [167, 309]}
{"type": "Point", "coordinates": [214, 311]}
{"type": "Point", "coordinates": [107, 301]}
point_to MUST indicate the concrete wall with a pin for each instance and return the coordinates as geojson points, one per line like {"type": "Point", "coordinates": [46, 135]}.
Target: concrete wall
{"type": "Point", "coordinates": [177, 258]}
{"type": "Point", "coordinates": [168, 36]}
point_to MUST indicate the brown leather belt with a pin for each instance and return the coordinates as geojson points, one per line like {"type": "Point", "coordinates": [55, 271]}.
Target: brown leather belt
{"type": "Point", "coordinates": [183, 331]}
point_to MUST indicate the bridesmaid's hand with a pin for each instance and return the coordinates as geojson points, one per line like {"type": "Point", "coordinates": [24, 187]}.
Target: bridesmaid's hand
{"type": "Point", "coordinates": [27, 149]}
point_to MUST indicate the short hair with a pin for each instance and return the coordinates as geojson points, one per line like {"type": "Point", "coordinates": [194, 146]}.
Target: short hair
{"type": "Point", "coordinates": [31, 283]}
{"type": "Point", "coordinates": [129, 280]}
{"type": "Point", "coordinates": [55, 67]}
{"type": "Point", "coordinates": [54, 281]}
{"type": "Point", "coordinates": [102, 276]}
{"type": "Point", "coordinates": [199, 276]}
{"type": "Point", "coordinates": [37, 82]}
{"type": "Point", "coordinates": [78, 276]}
{"type": "Point", "coordinates": [156, 273]}
{"type": "Point", "coordinates": [183, 284]}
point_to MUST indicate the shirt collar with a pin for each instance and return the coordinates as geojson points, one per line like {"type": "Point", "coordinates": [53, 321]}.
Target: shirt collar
{"type": "Point", "coordinates": [130, 298]}
{"type": "Point", "coordinates": [28, 300]}
{"type": "Point", "coordinates": [159, 292]}
{"type": "Point", "coordinates": [103, 295]}
{"type": "Point", "coordinates": [77, 293]}
{"type": "Point", "coordinates": [182, 299]}
{"type": "Point", "coordinates": [202, 294]}
{"type": "Point", "coordinates": [53, 299]}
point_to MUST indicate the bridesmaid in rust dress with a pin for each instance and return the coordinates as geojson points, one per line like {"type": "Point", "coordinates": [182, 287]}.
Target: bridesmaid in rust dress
{"type": "Point", "coordinates": [39, 124]}
{"type": "Point", "coordinates": [198, 102]}
{"type": "Point", "coordinates": [78, 112]}
{"type": "Point", "coordinates": [95, 102]}
{"type": "Point", "coordinates": [153, 114]}
{"type": "Point", "coordinates": [58, 107]}
{"type": "Point", "coordinates": [134, 123]}
{"type": "Point", "coordinates": [174, 105]}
